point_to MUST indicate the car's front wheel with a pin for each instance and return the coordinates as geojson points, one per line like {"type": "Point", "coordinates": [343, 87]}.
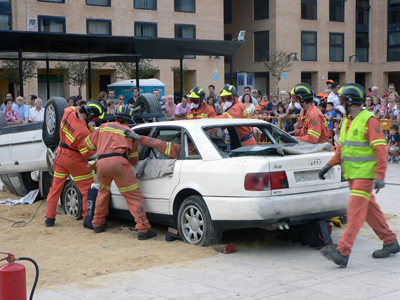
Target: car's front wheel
{"type": "Point", "coordinates": [195, 224]}
{"type": "Point", "coordinates": [72, 200]}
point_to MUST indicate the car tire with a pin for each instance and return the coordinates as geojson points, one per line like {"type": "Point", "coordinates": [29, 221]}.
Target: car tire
{"type": "Point", "coordinates": [52, 119]}
{"type": "Point", "coordinates": [72, 200]}
{"type": "Point", "coordinates": [149, 104]}
{"type": "Point", "coordinates": [195, 224]}
{"type": "Point", "coordinates": [3, 120]}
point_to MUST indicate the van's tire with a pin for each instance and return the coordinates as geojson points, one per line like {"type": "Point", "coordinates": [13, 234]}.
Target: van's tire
{"type": "Point", "coordinates": [149, 104]}
{"type": "Point", "coordinates": [3, 120]}
{"type": "Point", "coordinates": [52, 118]}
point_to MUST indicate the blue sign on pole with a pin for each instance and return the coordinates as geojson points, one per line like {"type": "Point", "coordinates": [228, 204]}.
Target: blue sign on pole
{"type": "Point", "coordinates": [216, 77]}
{"type": "Point", "coordinates": [284, 76]}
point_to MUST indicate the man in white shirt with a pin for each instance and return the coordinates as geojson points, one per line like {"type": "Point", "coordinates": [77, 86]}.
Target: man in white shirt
{"type": "Point", "coordinates": [36, 114]}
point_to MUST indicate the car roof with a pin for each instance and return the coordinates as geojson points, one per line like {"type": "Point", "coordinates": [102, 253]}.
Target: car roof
{"type": "Point", "coordinates": [193, 124]}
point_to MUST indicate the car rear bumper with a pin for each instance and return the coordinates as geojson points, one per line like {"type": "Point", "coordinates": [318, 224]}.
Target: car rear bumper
{"type": "Point", "coordinates": [262, 211]}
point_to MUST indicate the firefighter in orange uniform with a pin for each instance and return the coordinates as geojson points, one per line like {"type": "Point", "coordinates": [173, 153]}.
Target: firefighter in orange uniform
{"type": "Point", "coordinates": [363, 156]}
{"type": "Point", "coordinates": [199, 109]}
{"type": "Point", "coordinates": [236, 109]}
{"type": "Point", "coordinates": [116, 154]}
{"type": "Point", "coordinates": [71, 156]}
{"type": "Point", "coordinates": [313, 126]}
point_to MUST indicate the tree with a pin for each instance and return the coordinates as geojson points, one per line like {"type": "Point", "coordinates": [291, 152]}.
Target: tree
{"type": "Point", "coordinates": [277, 63]}
{"type": "Point", "coordinates": [127, 70]}
{"type": "Point", "coordinates": [77, 72]}
{"type": "Point", "coordinates": [11, 71]}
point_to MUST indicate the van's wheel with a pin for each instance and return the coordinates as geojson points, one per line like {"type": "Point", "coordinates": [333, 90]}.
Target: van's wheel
{"type": "Point", "coordinates": [195, 224]}
{"type": "Point", "coordinates": [52, 119]}
{"type": "Point", "coordinates": [149, 104]}
{"type": "Point", "coordinates": [3, 120]}
{"type": "Point", "coordinates": [72, 200]}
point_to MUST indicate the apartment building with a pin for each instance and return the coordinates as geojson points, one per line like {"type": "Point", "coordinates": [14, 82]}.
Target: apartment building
{"type": "Point", "coordinates": [170, 19]}
{"type": "Point", "coordinates": [343, 40]}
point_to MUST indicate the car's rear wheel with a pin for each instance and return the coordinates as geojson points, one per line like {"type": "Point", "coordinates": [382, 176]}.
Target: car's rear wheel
{"type": "Point", "coordinates": [52, 119]}
{"type": "Point", "coordinates": [195, 224]}
{"type": "Point", "coordinates": [149, 104]}
{"type": "Point", "coordinates": [72, 200]}
{"type": "Point", "coordinates": [3, 120]}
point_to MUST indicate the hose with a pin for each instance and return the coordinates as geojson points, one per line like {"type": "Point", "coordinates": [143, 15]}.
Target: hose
{"type": "Point", "coordinates": [37, 273]}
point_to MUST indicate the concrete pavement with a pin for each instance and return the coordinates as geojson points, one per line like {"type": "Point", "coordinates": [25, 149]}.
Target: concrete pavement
{"type": "Point", "coordinates": [278, 270]}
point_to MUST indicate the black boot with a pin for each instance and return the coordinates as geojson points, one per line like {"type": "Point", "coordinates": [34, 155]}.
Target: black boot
{"type": "Point", "coordinates": [49, 222]}
{"type": "Point", "coordinates": [331, 253]}
{"type": "Point", "coordinates": [148, 235]}
{"type": "Point", "coordinates": [387, 250]}
{"type": "Point", "coordinates": [99, 229]}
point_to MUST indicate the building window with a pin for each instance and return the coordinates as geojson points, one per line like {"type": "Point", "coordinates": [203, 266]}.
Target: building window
{"type": "Point", "coordinates": [261, 45]}
{"type": "Point", "coordinates": [261, 9]}
{"type": "Point", "coordinates": [336, 46]}
{"type": "Point", "coordinates": [98, 27]}
{"type": "Point", "coordinates": [185, 6]}
{"type": "Point", "coordinates": [394, 12]}
{"type": "Point", "coordinates": [145, 4]}
{"type": "Point", "coordinates": [309, 9]}
{"type": "Point", "coordinates": [51, 24]}
{"type": "Point", "coordinates": [362, 12]}
{"type": "Point", "coordinates": [336, 10]}
{"type": "Point", "coordinates": [184, 31]}
{"type": "Point", "coordinates": [99, 2]}
{"type": "Point", "coordinates": [362, 46]}
{"type": "Point", "coordinates": [145, 29]}
{"type": "Point", "coordinates": [5, 21]}
{"type": "Point", "coordinates": [57, 1]}
{"type": "Point", "coordinates": [228, 37]}
{"type": "Point", "coordinates": [309, 45]}
{"type": "Point", "coordinates": [393, 46]}
{"type": "Point", "coordinates": [227, 11]}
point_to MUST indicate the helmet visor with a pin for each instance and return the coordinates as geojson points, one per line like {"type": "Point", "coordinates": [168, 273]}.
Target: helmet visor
{"type": "Point", "coordinates": [195, 100]}
{"type": "Point", "coordinates": [227, 98]}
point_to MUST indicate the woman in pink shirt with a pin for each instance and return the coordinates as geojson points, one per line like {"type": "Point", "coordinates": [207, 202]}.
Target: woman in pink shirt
{"type": "Point", "coordinates": [11, 114]}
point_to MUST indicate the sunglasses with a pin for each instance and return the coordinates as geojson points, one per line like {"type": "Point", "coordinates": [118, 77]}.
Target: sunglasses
{"type": "Point", "coordinates": [227, 98]}
{"type": "Point", "coordinates": [195, 100]}
{"type": "Point", "coordinates": [121, 98]}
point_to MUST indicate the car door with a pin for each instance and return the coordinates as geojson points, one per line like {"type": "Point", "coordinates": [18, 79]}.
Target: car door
{"type": "Point", "coordinates": [156, 191]}
{"type": "Point", "coordinates": [6, 163]}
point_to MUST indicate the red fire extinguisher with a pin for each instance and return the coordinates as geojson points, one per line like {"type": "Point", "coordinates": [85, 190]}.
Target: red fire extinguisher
{"type": "Point", "coordinates": [13, 279]}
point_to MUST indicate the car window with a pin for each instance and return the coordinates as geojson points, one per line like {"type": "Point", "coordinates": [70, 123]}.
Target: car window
{"type": "Point", "coordinates": [145, 132]}
{"type": "Point", "coordinates": [189, 149]}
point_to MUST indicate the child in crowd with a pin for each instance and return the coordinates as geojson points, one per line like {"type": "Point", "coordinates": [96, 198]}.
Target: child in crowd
{"type": "Point", "coordinates": [281, 115]}
{"type": "Point", "coordinates": [322, 107]}
{"type": "Point", "coordinates": [329, 114]}
{"type": "Point", "coordinates": [336, 132]}
{"type": "Point", "coordinates": [383, 109]}
{"type": "Point", "coordinates": [393, 145]}
{"type": "Point", "coordinates": [263, 107]}
{"type": "Point", "coordinates": [377, 103]}
{"type": "Point", "coordinates": [291, 114]}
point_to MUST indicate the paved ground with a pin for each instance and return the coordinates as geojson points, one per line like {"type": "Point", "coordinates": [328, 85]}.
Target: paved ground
{"type": "Point", "coordinates": [280, 270]}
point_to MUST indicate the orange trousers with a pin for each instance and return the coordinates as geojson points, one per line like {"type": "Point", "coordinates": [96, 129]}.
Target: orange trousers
{"type": "Point", "coordinates": [68, 162]}
{"type": "Point", "coordinates": [119, 169]}
{"type": "Point", "coordinates": [363, 207]}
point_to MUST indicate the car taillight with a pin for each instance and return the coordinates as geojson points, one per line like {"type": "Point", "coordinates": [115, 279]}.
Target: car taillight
{"type": "Point", "coordinates": [265, 181]}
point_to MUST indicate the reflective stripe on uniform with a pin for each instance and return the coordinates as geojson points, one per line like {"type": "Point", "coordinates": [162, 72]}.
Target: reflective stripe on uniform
{"type": "Point", "coordinates": [168, 149]}
{"type": "Point", "coordinates": [114, 130]}
{"type": "Point", "coordinates": [203, 115]}
{"type": "Point", "coordinates": [107, 187]}
{"type": "Point", "coordinates": [134, 154]}
{"type": "Point", "coordinates": [67, 134]}
{"type": "Point", "coordinates": [245, 112]}
{"type": "Point", "coordinates": [60, 175]}
{"type": "Point", "coordinates": [83, 150]}
{"type": "Point", "coordinates": [358, 159]}
{"type": "Point", "coordinates": [83, 177]}
{"type": "Point", "coordinates": [361, 194]}
{"type": "Point", "coordinates": [378, 142]}
{"type": "Point", "coordinates": [314, 133]}
{"type": "Point", "coordinates": [355, 144]}
{"type": "Point", "coordinates": [230, 117]}
{"type": "Point", "coordinates": [89, 143]}
{"type": "Point", "coordinates": [190, 116]}
{"type": "Point", "coordinates": [325, 124]}
{"type": "Point", "coordinates": [129, 188]}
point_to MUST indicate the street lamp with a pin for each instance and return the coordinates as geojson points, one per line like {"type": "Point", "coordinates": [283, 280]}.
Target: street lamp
{"type": "Point", "coordinates": [295, 56]}
{"type": "Point", "coordinates": [355, 58]}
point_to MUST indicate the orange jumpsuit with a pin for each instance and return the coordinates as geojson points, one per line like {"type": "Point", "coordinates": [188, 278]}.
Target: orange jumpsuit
{"type": "Point", "coordinates": [238, 110]}
{"type": "Point", "coordinates": [73, 132]}
{"type": "Point", "coordinates": [109, 138]}
{"type": "Point", "coordinates": [362, 205]}
{"type": "Point", "coordinates": [314, 128]}
{"type": "Point", "coordinates": [204, 111]}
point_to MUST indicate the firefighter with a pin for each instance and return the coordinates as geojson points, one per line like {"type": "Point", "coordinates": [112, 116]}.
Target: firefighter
{"type": "Point", "coordinates": [116, 154]}
{"type": "Point", "coordinates": [313, 126]}
{"type": "Point", "coordinates": [236, 109]}
{"type": "Point", "coordinates": [71, 156]}
{"type": "Point", "coordinates": [199, 109]}
{"type": "Point", "coordinates": [363, 156]}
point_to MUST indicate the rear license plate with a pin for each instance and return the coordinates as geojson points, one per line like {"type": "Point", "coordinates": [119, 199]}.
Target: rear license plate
{"type": "Point", "coordinates": [312, 175]}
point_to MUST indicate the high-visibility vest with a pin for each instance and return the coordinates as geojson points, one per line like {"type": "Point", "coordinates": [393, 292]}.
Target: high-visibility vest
{"type": "Point", "coordinates": [357, 155]}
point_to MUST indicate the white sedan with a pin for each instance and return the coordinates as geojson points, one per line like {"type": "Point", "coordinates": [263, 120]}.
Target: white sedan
{"type": "Point", "coordinates": [216, 184]}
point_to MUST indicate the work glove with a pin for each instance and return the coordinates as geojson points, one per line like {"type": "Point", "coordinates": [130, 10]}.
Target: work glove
{"type": "Point", "coordinates": [133, 135]}
{"type": "Point", "coordinates": [379, 184]}
{"type": "Point", "coordinates": [323, 171]}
